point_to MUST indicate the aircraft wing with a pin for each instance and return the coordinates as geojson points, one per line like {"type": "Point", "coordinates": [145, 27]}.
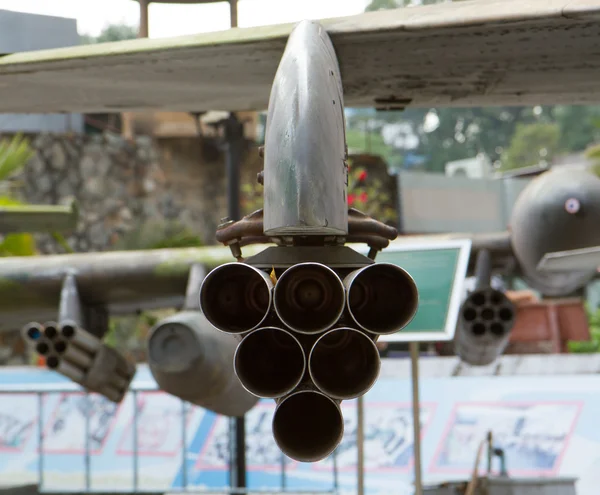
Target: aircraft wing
{"type": "Point", "coordinates": [124, 282]}
{"type": "Point", "coordinates": [38, 218]}
{"type": "Point", "coordinates": [480, 52]}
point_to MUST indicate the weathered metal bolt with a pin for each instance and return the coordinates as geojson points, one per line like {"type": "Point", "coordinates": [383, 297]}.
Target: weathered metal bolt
{"type": "Point", "coordinates": [236, 250]}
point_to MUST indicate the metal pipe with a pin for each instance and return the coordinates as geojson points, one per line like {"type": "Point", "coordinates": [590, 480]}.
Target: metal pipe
{"type": "Point", "coordinates": [485, 321]}
{"type": "Point", "coordinates": [54, 363]}
{"type": "Point", "coordinates": [269, 362]}
{"type": "Point", "coordinates": [236, 298]}
{"type": "Point", "coordinates": [43, 346]}
{"type": "Point", "coordinates": [32, 332]}
{"type": "Point", "coordinates": [234, 137]}
{"type": "Point", "coordinates": [307, 425]}
{"type": "Point", "coordinates": [344, 363]}
{"type": "Point", "coordinates": [416, 410]}
{"type": "Point", "coordinates": [360, 445]}
{"type": "Point", "coordinates": [382, 298]}
{"type": "Point", "coordinates": [72, 354]}
{"type": "Point", "coordinates": [483, 270]}
{"type": "Point", "coordinates": [50, 330]}
{"type": "Point", "coordinates": [79, 337]}
{"type": "Point", "coordinates": [309, 297]}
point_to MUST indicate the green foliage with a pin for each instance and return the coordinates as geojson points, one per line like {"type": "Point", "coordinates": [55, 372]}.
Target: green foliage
{"type": "Point", "coordinates": [158, 235]}
{"type": "Point", "coordinates": [594, 344]}
{"type": "Point", "coordinates": [129, 333]}
{"type": "Point", "coordinates": [369, 142]}
{"type": "Point", "coordinates": [394, 4]}
{"type": "Point", "coordinates": [112, 32]}
{"type": "Point", "coordinates": [14, 154]}
{"type": "Point", "coordinates": [364, 193]}
{"type": "Point", "coordinates": [531, 144]}
{"type": "Point", "coordinates": [383, 5]}
{"type": "Point", "coordinates": [368, 195]}
{"type": "Point", "coordinates": [593, 153]}
{"type": "Point", "coordinates": [577, 125]}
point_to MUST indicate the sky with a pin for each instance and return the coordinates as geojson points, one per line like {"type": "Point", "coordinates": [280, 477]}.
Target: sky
{"type": "Point", "coordinates": [175, 20]}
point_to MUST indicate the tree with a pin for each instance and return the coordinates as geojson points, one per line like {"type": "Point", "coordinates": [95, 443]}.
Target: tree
{"type": "Point", "coordinates": [532, 144]}
{"type": "Point", "coordinates": [14, 154]}
{"type": "Point", "coordinates": [383, 5]}
{"type": "Point", "coordinates": [112, 32]}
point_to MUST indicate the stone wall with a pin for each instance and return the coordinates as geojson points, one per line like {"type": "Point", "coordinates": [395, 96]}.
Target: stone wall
{"type": "Point", "coordinates": [123, 186]}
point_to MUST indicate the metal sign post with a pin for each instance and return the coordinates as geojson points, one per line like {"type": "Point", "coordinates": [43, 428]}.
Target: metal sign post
{"type": "Point", "coordinates": [360, 444]}
{"type": "Point", "coordinates": [416, 409]}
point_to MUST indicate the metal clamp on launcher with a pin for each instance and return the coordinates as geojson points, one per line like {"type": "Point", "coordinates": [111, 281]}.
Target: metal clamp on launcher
{"type": "Point", "coordinates": [77, 354]}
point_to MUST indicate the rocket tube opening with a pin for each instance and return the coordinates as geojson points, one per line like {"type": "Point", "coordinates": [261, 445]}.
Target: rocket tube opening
{"type": "Point", "coordinates": [505, 314]}
{"type": "Point", "coordinates": [68, 331]}
{"type": "Point", "coordinates": [344, 363]}
{"type": "Point", "coordinates": [269, 362]}
{"type": "Point", "coordinates": [235, 297]}
{"type": "Point", "coordinates": [52, 362]}
{"type": "Point", "coordinates": [34, 331]}
{"type": "Point", "coordinates": [382, 298]}
{"type": "Point", "coordinates": [42, 348]}
{"type": "Point", "coordinates": [498, 329]}
{"type": "Point", "coordinates": [469, 314]}
{"type": "Point", "coordinates": [309, 297]}
{"type": "Point", "coordinates": [307, 426]}
{"type": "Point", "coordinates": [478, 329]}
{"type": "Point", "coordinates": [50, 331]}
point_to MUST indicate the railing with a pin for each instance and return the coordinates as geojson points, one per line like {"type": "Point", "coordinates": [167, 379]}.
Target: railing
{"type": "Point", "coordinates": [40, 391]}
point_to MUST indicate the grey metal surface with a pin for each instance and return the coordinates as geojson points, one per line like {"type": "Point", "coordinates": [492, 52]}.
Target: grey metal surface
{"type": "Point", "coordinates": [125, 281]}
{"type": "Point", "coordinates": [184, 350]}
{"type": "Point", "coordinates": [502, 52]}
{"type": "Point", "coordinates": [557, 211]}
{"type": "Point", "coordinates": [305, 174]}
{"type": "Point", "coordinates": [38, 218]}
{"type": "Point", "coordinates": [485, 321]}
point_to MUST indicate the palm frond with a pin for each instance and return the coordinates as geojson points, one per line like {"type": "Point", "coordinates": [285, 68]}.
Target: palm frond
{"type": "Point", "coordinates": [14, 154]}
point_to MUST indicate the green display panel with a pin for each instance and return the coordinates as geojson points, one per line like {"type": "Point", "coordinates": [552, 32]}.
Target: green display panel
{"type": "Point", "coordinates": [439, 269]}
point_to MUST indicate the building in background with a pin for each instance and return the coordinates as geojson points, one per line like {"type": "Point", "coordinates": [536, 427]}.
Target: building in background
{"type": "Point", "coordinates": [21, 32]}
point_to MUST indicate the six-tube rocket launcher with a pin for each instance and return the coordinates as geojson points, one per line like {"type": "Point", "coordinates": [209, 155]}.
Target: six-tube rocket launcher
{"type": "Point", "coordinates": [308, 311]}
